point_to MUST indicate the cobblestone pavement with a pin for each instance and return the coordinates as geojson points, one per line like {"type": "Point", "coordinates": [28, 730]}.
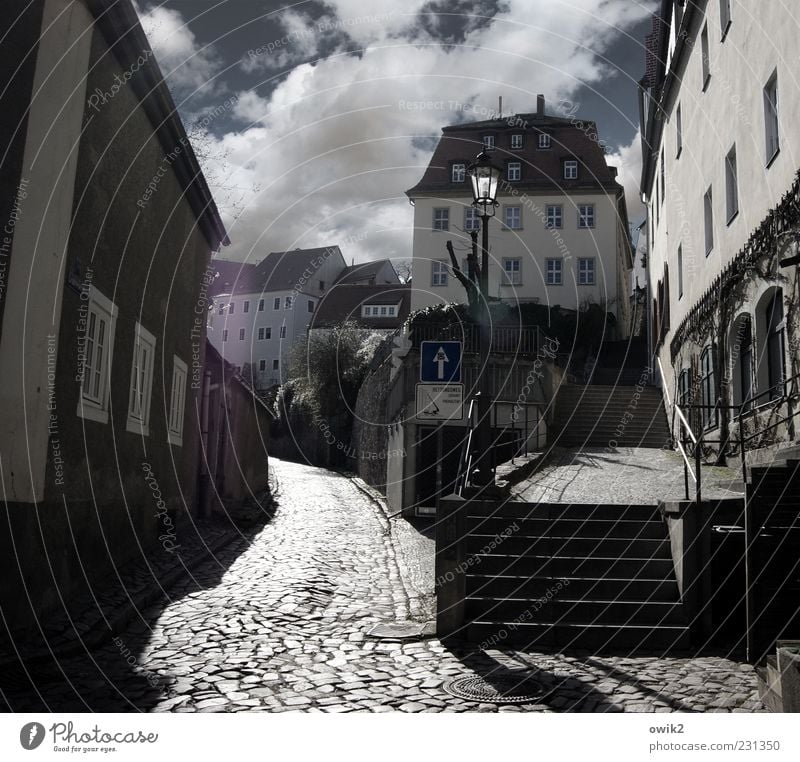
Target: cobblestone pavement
{"type": "Point", "coordinates": [279, 623]}
{"type": "Point", "coordinates": [623, 475]}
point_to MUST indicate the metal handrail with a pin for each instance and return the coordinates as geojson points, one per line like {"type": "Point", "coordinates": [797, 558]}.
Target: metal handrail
{"type": "Point", "coordinates": [685, 427]}
{"type": "Point", "coordinates": [465, 459]}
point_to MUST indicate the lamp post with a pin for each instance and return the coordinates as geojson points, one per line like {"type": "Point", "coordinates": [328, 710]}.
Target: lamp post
{"type": "Point", "coordinates": [484, 177]}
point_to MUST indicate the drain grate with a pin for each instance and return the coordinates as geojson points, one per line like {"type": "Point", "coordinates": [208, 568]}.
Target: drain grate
{"type": "Point", "coordinates": [499, 688]}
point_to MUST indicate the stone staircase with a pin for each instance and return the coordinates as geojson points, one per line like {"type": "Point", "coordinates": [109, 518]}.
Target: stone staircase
{"type": "Point", "coordinates": [610, 416]}
{"type": "Point", "coordinates": [572, 576]}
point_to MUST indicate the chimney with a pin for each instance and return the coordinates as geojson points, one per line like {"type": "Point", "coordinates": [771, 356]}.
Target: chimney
{"type": "Point", "coordinates": [539, 105]}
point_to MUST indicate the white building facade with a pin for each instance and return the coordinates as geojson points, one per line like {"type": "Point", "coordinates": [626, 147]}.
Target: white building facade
{"type": "Point", "coordinates": [720, 105]}
{"type": "Point", "coordinates": [264, 309]}
{"type": "Point", "coordinates": [560, 234]}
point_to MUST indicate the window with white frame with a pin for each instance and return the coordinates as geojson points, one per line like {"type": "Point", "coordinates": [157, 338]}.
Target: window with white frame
{"type": "Point", "coordinates": [276, 364]}
{"type": "Point", "coordinates": [95, 359]}
{"type": "Point", "coordinates": [438, 273]}
{"type": "Point", "coordinates": [262, 365]}
{"type": "Point", "coordinates": [544, 141]}
{"type": "Point", "coordinates": [512, 269]}
{"type": "Point", "coordinates": [441, 218]}
{"type": "Point", "coordinates": [708, 219]}
{"type": "Point", "coordinates": [310, 305]}
{"type": "Point", "coordinates": [586, 271]}
{"type": "Point", "coordinates": [514, 171]}
{"type": "Point", "coordinates": [516, 140]}
{"type": "Point", "coordinates": [471, 219]}
{"type": "Point", "coordinates": [268, 334]}
{"type": "Point", "coordinates": [283, 332]}
{"type": "Point", "coordinates": [287, 303]}
{"type": "Point", "coordinates": [731, 185]}
{"type": "Point", "coordinates": [241, 334]}
{"type": "Point", "coordinates": [225, 334]}
{"type": "Point", "coordinates": [585, 215]}
{"type": "Point", "coordinates": [144, 352]}
{"type": "Point", "coordinates": [724, 16]}
{"type": "Point", "coordinates": [488, 142]}
{"type": "Point", "coordinates": [230, 307]}
{"type": "Point", "coordinates": [262, 334]}
{"type": "Point", "coordinates": [276, 303]}
{"type": "Point", "coordinates": [554, 215]}
{"type": "Point", "coordinates": [246, 306]}
{"type": "Point", "coordinates": [177, 401]}
{"type": "Point", "coordinates": [513, 217]}
{"type": "Point", "coordinates": [771, 117]}
{"type": "Point", "coordinates": [554, 272]}
{"type": "Point", "coordinates": [260, 305]}
{"type": "Point", "coordinates": [570, 169]}
{"type": "Point", "coordinates": [459, 172]}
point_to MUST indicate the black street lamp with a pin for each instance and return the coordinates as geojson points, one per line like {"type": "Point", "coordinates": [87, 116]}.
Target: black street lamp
{"type": "Point", "coordinates": [485, 178]}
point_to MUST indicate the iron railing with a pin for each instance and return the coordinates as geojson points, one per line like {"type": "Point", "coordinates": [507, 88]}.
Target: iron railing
{"type": "Point", "coordinates": [522, 340]}
{"type": "Point", "coordinates": [465, 459]}
{"type": "Point", "coordinates": [689, 440]}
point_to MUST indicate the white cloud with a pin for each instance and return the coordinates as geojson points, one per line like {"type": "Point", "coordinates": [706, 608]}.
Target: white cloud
{"type": "Point", "coordinates": [187, 66]}
{"type": "Point", "coordinates": [628, 160]}
{"type": "Point", "coordinates": [331, 146]}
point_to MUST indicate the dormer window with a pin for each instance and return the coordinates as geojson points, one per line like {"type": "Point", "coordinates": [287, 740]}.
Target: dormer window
{"type": "Point", "coordinates": [544, 141]}
{"type": "Point", "coordinates": [570, 169]}
{"type": "Point", "coordinates": [516, 140]}
{"type": "Point", "coordinates": [379, 310]}
{"type": "Point", "coordinates": [488, 142]}
{"type": "Point", "coordinates": [459, 172]}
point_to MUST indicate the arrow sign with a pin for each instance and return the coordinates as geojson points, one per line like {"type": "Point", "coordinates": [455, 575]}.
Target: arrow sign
{"type": "Point", "coordinates": [441, 359]}
{"type": "Point", "coordinates": [440, 362]}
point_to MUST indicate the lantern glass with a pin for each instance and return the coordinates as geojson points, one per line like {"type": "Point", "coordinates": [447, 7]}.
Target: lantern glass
{"type": "Point", "coordinates": [485, 177]}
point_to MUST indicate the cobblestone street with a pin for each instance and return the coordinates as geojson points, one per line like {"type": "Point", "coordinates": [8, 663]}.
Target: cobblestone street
{"type": "Point", "coordinates": [280, 623]}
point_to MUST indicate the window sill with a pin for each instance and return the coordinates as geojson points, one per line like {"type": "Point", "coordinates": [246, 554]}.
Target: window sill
{"type": "Point", "coordinates": [554, 284]}
{"type": "Point", "coordinates": [175, 439]}
{"type": "Point", "coordinates": [92, 411]}
{"type": "Point", "coordinates": [135, 426]}
{"type": "Point", "coordinates": [510, 285]}
{"type": "Point", "coordinates": [772, 158]}
{"type": "Point", "coordinates": [587, 284]}
{"type": "Point", "coordinates": [507, 229]}
{"type": "Point", "coordinates": [732, 217]}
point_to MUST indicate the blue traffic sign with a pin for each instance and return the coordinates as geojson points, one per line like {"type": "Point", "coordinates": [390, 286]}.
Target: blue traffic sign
{"type": "Point", "coordinates": [440, 362]}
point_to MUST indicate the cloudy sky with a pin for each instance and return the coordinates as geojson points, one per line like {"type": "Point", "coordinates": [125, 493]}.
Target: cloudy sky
{"type": "Point", "coordinates": [313, 118]}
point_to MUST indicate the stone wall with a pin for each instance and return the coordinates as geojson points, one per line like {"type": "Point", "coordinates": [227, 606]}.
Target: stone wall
{"type": "Point", "coordinates": [369, 442]}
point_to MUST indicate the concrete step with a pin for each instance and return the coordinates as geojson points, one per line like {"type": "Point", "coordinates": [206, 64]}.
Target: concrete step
{"type": "Point", "coordinates": [652, 529]}
{"type": "Point", "coordinates": [571, 611]}
{"type": "Point", "coordinates": [579, 636]}
{"type": "Point", "coordinates": [505, 586]}
{"type": "Point", "coordinates": [570, 511]}
{"type": "Point", "coordinates": [573, 566]}
{"type": "Point", "coordinates": [573, 547]}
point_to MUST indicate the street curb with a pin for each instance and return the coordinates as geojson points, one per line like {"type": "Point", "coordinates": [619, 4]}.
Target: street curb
{"type": "Point", "coordinates": [412, 604]}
